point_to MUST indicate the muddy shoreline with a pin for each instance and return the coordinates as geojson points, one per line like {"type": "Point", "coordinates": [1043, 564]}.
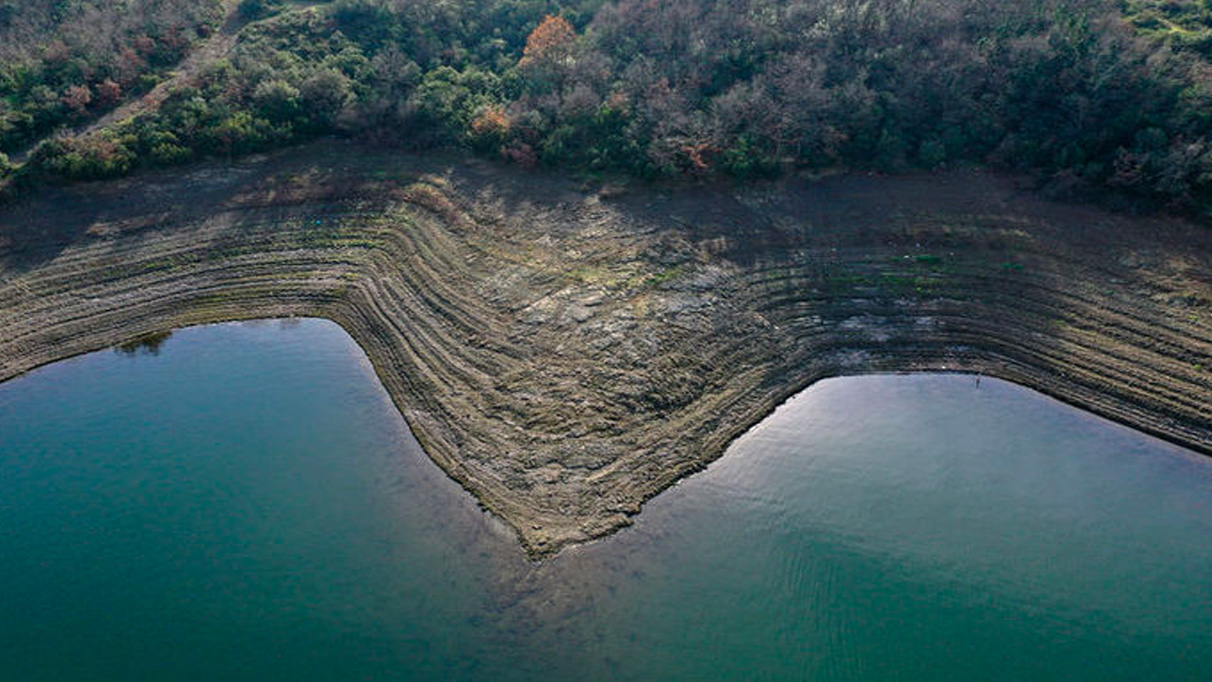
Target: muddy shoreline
{"type": "Point", "coordinates": [566, 350]}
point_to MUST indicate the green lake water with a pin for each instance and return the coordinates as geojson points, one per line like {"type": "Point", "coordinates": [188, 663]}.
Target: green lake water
{"type": "Point", "coordinates": [246, 504]}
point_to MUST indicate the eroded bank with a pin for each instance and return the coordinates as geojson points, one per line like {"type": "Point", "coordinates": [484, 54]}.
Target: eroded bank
{"type": "Point", "coordinates": [567, 350]}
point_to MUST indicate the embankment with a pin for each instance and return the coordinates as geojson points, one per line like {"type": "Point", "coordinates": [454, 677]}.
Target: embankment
{"type": "Point", "coordinates": [567, 353]}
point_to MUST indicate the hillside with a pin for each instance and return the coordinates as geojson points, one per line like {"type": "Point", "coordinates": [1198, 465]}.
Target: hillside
{"type": "Point", "coordinates": [568, 350]}
{"type": "Point", "coordinates": [1092, 98]}
{"type": "Point", "coordinates": [64, 63]}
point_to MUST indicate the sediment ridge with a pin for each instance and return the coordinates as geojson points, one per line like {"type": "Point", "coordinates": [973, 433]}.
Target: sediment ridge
{"type": "Point", "coordinates": [566, 350]}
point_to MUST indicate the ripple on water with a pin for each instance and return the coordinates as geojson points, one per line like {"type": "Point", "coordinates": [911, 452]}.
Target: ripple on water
{"type": "Point", "coordinates": [248, 504]}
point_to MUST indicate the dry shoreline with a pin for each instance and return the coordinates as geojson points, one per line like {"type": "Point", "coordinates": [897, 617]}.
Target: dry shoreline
{"type": "Point", "coordinates": [567, 353]}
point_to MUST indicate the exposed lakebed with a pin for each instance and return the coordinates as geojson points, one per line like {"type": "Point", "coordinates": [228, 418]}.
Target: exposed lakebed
{"type": "Point", "coordinates": [246, 503]}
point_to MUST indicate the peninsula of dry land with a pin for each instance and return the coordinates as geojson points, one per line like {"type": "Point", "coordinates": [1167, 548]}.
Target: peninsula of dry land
{"type": "Point", "coordinates": [567, 349]}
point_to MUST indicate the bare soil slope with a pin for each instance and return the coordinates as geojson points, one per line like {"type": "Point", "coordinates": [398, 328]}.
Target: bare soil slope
{"type": "Point", "coordinates": [566, 353]}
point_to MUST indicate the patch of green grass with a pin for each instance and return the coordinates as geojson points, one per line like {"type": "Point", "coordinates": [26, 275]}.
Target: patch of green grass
{"type": "Point", "coordinates": [849, 280]}
{"type": "Point", "coordinates": [667, 275]}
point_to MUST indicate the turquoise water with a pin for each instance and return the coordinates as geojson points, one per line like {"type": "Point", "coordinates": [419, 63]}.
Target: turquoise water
{"type": "Point", "coordinates": [246, 504]}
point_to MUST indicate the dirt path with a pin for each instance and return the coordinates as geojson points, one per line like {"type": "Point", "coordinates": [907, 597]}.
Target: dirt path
{"type": "Point", "coordinates": [215, 47]}
{"type": "Point", "coordinates": [567, 356]}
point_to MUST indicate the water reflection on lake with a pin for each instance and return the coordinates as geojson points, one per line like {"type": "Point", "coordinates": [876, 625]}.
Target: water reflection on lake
{"type": "Point", "coordinates": [248, 505]}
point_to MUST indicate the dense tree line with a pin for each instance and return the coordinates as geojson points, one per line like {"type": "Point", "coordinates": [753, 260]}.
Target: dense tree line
{"type": "Point", "coordinates": [1089, 95]}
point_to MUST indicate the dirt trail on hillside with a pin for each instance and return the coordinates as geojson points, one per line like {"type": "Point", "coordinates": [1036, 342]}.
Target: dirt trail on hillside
{"type": "Point", "coordinates": [208, 51]}
{"type": "Point", "coordinates": [211, 49]}
{"type": "Point", "coordinates": [566, 354]}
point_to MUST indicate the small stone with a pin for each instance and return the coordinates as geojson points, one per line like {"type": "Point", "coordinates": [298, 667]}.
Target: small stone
{"type": "Point", "coordinates": [580, 313]}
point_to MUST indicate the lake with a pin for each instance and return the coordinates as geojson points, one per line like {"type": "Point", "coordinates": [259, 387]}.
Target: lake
{"type": "Point", "coordinates": [245, 503]}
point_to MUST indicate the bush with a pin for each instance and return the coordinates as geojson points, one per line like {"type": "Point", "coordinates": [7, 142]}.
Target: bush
{"type": "Point", "coordinates": [254, 9]}
{"type": "Point", "coordinates": [86, 158]}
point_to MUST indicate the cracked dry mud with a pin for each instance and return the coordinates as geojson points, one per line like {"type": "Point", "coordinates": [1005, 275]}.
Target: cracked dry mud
{"type": "Point", "coordinates": [567, 352]}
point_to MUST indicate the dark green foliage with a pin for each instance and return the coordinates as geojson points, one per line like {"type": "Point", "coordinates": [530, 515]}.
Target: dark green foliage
{"type": "Point", "coordinates": [83, 158]}
{"type": "Point", "coordinates": [1085, 94]}
{"type": "Point", "coordinates": [255, 9]}
{"type": "Point", "coordinates": [65, 62]}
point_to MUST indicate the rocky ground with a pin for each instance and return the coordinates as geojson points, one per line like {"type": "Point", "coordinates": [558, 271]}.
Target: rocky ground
{"type": "Point", "coordinates": [567, 349]}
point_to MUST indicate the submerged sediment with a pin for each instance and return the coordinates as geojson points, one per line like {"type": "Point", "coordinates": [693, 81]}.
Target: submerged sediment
{"type": "Point", "coordinates": [566, 353]}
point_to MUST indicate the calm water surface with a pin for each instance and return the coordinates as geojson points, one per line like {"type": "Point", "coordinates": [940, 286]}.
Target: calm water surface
{"type": "Point", "coordinates": [248, 505]}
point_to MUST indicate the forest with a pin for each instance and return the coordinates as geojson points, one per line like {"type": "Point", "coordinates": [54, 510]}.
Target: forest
{"type": "Point", "coordinates": [1090, 97]}
{"type": "Point", "coordinates": [63, 61]}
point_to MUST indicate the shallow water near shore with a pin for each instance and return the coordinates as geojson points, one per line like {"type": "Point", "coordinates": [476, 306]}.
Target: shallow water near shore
{"type": "Point", "coordinates": [243, 502]}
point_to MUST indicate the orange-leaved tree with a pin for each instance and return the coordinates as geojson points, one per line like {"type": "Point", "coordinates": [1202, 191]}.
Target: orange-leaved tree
{"type": "Point", "coordinates": [550, 44]}
{"type": "Point", "coordinates": [489, 128]}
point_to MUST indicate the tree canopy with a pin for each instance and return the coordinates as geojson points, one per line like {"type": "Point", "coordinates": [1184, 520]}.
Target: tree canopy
{"type": "Point", "coordinates": [1087, 95]}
